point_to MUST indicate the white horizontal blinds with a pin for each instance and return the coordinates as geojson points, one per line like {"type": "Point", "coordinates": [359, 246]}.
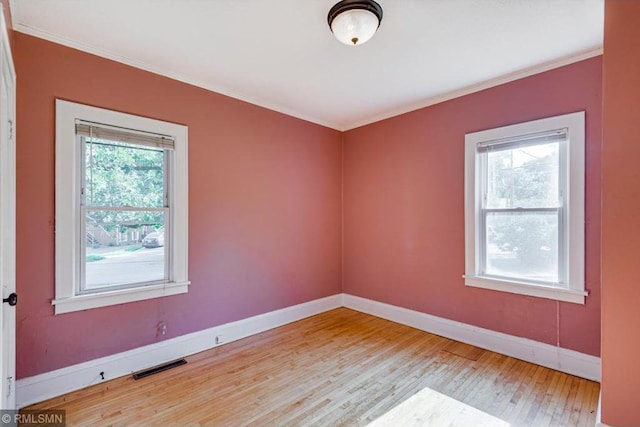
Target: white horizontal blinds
{"type": "Point", "coordinates": [130, 136]}
{"type": "Point", "coordinates": [521, 141]}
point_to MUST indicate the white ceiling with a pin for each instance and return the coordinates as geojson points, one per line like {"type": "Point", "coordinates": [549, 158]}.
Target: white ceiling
{"type": "Point", "coordinates": [280, 54]}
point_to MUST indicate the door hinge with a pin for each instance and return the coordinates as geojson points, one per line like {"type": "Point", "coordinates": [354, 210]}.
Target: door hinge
{"type": "Point", "coordinates": [10, 130]}
{"type": "Point", "coordinates": [9, 386]}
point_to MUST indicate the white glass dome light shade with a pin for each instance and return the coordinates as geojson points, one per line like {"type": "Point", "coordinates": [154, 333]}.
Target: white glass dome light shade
{"type": "Point", "coordinates": [355, 26]}
{"type": "Point", "coordinates": [354, 22]}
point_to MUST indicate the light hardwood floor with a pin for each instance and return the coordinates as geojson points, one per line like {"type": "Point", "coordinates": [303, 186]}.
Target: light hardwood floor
{"type": "Point", "coordinates": [340, 368]}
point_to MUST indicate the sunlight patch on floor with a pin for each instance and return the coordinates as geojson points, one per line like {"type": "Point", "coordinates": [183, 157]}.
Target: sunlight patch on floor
{"type": "Point", "coordinates": [433, 409]}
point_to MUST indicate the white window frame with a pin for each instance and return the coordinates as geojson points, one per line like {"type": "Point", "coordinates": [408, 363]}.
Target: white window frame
{"type": "Point", "coordinates": [68, 222]}
{"type": "Point", "coordinates": [572, 170]}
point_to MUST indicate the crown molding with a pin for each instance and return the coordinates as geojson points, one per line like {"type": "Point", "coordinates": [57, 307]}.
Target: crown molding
{"type": "Point", "coordinates": [87, 48]}
{"type": "Point", "coordinates": [487, 84]}
{"type": "Point", "coordinates": [393, 112]}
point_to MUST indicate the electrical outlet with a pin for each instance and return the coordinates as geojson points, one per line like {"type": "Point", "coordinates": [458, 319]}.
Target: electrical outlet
{"type": "Point", "coordinates": [162, 328]}
{"type": "Point", "coordinates": [219, 339]}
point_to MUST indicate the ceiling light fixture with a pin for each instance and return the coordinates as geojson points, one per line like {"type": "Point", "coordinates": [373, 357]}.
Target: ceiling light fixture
{"type": "Point", "coordinates": [354, 22]}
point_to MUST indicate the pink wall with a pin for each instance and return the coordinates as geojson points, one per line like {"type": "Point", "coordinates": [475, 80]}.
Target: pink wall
{"type": "Point", "coordinates": [264, 207]}
{"type": "Point", "coordinates": [620, 215]}
{"type": "Point", "coordinates": [404, 208]}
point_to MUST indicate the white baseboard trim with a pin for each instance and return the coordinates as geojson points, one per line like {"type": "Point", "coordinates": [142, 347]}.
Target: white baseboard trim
{"type": "Point", "coordinates": [55, 383]}
{"type": "Point", "coordinates": [561, 359]}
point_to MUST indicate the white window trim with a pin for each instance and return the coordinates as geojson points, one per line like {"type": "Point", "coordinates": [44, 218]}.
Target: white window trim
{"type": "Point", "coordinates": [574, 252]}
{"type": "Point", "coordinates": [67, 193]}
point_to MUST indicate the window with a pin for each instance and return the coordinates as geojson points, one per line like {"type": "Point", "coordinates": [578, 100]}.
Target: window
{"type": "Point", "coordinates": [524, 208]}
{"type": "Point", "coordinates": [121, 208]}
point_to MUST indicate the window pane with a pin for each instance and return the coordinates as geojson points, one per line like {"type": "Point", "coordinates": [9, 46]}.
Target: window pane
{"type": "Point", "coordinates": [119, 174]}
{"type": "Point", "coordinates": [522, 245]}
{"type": "Point", "coordinates": [124, 247]}
{"type": "Point", "coordinates": [523, 177]}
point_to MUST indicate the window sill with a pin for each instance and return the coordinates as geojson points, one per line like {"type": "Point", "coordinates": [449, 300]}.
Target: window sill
{"type": "Point", "coordinates": [121, 296]}
{"type": "Point", "coordinates": [541, 291]}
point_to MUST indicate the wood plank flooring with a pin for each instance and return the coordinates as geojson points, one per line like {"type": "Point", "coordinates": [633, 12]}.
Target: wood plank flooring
{"type": "Point", "coordinates": [340, 368]}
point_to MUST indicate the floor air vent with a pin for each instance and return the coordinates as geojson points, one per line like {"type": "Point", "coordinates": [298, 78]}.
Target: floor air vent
{"type": "Point", "coordinates": [159, 368]}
